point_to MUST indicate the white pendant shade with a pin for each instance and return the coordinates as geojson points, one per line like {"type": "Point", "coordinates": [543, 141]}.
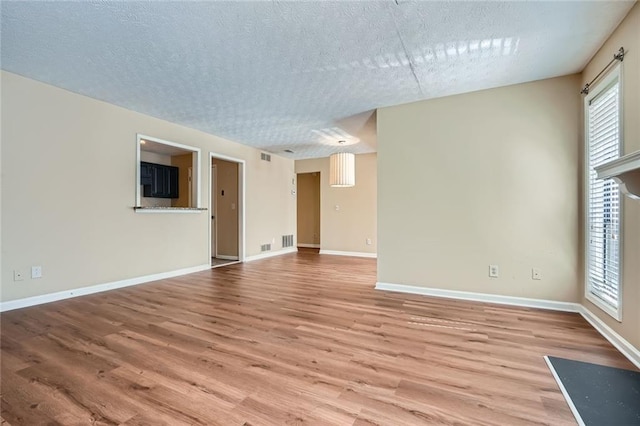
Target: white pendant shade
{"type": "Point", "coordinates": [342, 169]}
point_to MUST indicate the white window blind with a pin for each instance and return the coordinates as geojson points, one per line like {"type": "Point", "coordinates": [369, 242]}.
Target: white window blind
{"type": "Point", "coordinates": [603, 209]}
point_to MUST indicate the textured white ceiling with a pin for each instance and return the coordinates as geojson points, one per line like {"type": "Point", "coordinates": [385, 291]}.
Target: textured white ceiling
{"type": "Point", "coordinates": [295, 75]}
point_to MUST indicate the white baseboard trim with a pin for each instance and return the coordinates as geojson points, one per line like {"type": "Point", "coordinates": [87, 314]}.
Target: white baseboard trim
{"type": "Point", "coordinates": [349, 253]}
{"type": "Point", "coordinates": [304, 245]}
{"type": "Point", "coordinates": [271, 254]}
{"type": "Point", "coordinates": [626, 348]}
{"type": "Point", "coordinates": [83, 291]}
{"type": "Point", "coordinates": [225, 257]}
{"type": "Point", "coordinates": [620, 343]}
{"type": "Point", "coordinates": [482, 297]}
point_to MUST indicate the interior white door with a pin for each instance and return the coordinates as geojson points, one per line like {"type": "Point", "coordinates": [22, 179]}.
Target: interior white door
{"type": "Point", "coordinates": [213, 210]}
{"type": "Point", "coordinates": [190, 170]}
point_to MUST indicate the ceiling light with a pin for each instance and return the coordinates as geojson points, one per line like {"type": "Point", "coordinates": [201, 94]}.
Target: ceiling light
{"type": "Point", "coordinates": [142, 141]}
{"type": "Point", "coordinates": [342, 169]}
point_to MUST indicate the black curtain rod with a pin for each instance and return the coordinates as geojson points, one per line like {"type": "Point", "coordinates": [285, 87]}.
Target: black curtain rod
{"type": "Point", "coordinates": [616, 57]}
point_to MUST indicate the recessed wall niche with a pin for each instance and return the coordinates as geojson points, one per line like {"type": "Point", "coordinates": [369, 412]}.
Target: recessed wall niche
{"type": "Point", "coordinates": [167, 177]}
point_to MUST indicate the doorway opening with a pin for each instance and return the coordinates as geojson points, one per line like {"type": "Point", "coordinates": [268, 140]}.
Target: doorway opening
{"type": "Point", "coordinates": [226, 205]}
{"type": "Point", "coordinates": [308, 219]}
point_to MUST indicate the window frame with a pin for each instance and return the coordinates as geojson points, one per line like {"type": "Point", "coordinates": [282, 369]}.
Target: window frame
{"type": "Point", "coordinates": [603, 84]}
{"type": "Point", "coordinates": [195, 175]}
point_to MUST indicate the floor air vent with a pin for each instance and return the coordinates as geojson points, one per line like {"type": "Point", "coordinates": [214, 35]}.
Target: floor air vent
{"type": "Point", "coordinates": [265, 247]}
{"type": "Point", "coordinates": [287, 240]}
{"type": "Point", "coordinates": [265, 157]}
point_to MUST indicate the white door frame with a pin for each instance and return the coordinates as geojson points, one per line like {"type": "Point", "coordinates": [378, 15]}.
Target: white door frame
{"type": "Point", "coordinates": [241, 201]}
{"type": "Point", "coordinates": [213, 208]}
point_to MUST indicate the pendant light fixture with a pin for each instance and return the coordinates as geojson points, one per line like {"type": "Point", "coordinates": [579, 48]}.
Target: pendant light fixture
{"type": "Point", "coordinates": [342, 169]}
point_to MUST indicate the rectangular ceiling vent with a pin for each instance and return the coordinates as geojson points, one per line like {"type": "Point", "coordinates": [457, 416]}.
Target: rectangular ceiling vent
{"type": "Point", "coordinates": [265, 157]}
{"type": "Point", "coordinates": [287, 240]}
{"type": "Point", "coordinates": [265, 247]}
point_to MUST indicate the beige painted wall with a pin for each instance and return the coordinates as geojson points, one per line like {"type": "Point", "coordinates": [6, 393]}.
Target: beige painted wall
{"type": "Point", "coordinates": [182, 162]}
{"type": "Point", "coordinates": [348, 228]}
{"type": "Point", "coordinates": [227, 207]}
{"type": "Point", "coordinates": [489, 177]}
{"type": "Point", "coordinates": [309, 208]}
{"type": "Point", "coordinates": [2, 183]}
{"type": "Point", "coordinates": [58, 146]}
{"type": "Point", "coordinates": [627, 35]}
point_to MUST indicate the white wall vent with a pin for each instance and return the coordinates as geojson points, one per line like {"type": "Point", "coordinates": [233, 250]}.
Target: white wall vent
{"type": "Point", "coordinates": [265, 247]}
{"type": "Point", "coordinates": [265, 157]}
{"type": "Point", "coordinates": [287, 240]}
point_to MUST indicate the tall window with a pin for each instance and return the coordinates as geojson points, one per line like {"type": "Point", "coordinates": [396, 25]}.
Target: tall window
{"type": "Point", "coordinates": [603, 202]}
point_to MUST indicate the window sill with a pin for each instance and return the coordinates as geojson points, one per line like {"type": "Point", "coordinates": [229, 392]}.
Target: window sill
{"type": "Point", "coordinates": [614, 313]}
{"type": "Point", "coordinates": [141, 209]}
{"type": "Point", "coordinates": [625, 171]}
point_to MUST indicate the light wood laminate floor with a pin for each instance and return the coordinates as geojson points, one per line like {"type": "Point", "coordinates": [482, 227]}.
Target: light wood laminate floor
{"type": "Point", "coordinates": [295, 339]}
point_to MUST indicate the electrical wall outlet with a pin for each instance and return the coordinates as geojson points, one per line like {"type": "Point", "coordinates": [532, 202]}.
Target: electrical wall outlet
{"type": "Point", "coordinates": [36, 272]}
{"type": "Point", "coordinates": [536, 274]}
{"type": "Point", "coordinates": [494, 271]}
{"type": "Point", "coordinates": [369, 242]}
{"type": "Point", "coordinates": [18, 275]}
